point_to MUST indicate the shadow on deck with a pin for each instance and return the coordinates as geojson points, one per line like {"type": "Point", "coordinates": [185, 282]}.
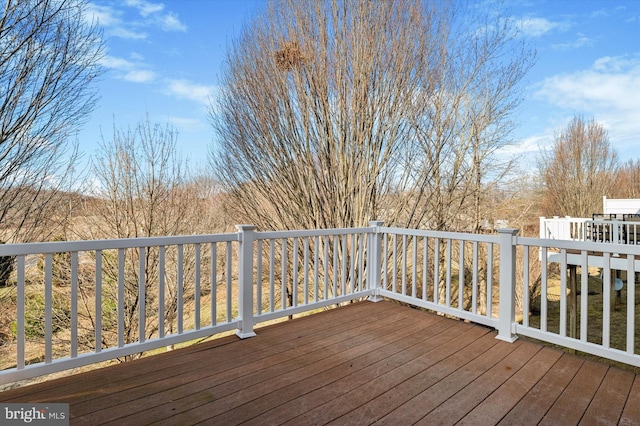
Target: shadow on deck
{"type": "Point", "coordinates": [363, 363]}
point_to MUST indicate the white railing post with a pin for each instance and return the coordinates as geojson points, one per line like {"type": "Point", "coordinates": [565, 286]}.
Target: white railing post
{"type": "Point", "coordinates": [615, 232]}
{"type": "Point", "coordinates": [569, 226]}
{"type": "Point", "coordinates": [374, 258]}
{"type": "Point", "coordinates": [507, 294]}
{"type": "Point", "coordinates": [245, 281]}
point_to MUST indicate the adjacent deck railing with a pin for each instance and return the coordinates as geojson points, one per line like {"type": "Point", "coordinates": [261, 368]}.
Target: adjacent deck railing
{"type": "Point", "coordinates": [83, 302]}
{"type": "Point", "coordinates": [595, 230]}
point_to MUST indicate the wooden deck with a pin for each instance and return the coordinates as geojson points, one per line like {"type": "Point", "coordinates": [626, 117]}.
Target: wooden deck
{"type": "Point", "coordinates": [364, 363]}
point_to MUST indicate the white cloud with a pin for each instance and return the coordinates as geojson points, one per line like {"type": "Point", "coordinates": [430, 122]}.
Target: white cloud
{"type": "Point", "coordinates": [531, 144]}
{"type": "Point", "coordinates": [106, 15]}
{"type": "Point", "coordinates": [136, 56]}
{"type": "Point", "coordinates": [536, 27]}
{"type": "Point", "coordinates": [144, 7]}
{"type": "Point", "coordinates": [609, 92]}
{"type": "Point", "coordinates": [152, 15]}
{"type": "Point", "coordinates": [606, 12]}
{"type": "Point", "coordinates": [187, 123]}
{"type": "Point", "coordinates": [111, 20]}
{"type": "Point", "coordinates": [615, 63]}
{"type": "Point", "coordinates": [171, 22]}
{"type": "Point", "coordinates": [140, 76]}
{"type": "Point", "coordinates": [128, 34]}
{"type": "Point", "coordinates": [133, 71]}
{"type": "Point", "coordinates": [116, 63]}
{"type": "Point", "coordinates": [188, 90]}
{"type": "Point", "coordinates": [613, 83]}
{"type": "Point", "coordinates": [581, 41]}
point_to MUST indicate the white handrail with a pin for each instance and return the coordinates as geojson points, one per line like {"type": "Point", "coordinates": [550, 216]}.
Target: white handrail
{"type": "Point", "coordinates": [250, 277]}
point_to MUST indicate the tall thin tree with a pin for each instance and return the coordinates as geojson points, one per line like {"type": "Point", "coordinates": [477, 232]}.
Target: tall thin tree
{"type": "Point", "coordinates": [49, 55]}
{"type": "Point", "coordinates": [142, 192]}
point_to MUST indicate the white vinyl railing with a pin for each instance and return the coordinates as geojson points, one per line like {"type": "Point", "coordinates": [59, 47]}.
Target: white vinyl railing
{"type": "Point", "coordinates": [582, 229]}
{"type": "Point", "coordinates": [84, 302]}
{"type": "Point", "coordinates": [609, 328]}
{"type": "Point", "coordinates": [446, 272]}
{"type": "Point", "coordinates": [112, 307]}
{"type": "Point", "coordinates": [300, 271]}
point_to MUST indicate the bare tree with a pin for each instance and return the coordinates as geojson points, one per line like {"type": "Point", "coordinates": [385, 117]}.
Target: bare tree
{"type": "Point", "coordinates": [138, 174]}
{"type": "Point", "coordinates": [49, 55]}
{"type": "Point", "coordinates": [333, 113]}
{"type": "Point", "coordinates": [467, 119]}
{"type": "Point", "coordinates": [143, 190]}
{"type": "Point", "coordinates": [628, 181]}
{"type": "Point", "coordinates": [578, 170]}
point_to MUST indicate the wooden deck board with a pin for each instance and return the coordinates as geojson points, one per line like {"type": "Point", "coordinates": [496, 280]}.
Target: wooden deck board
{"type": "Point", "coordinates": [410, 336]}
{"type": "Point", "coordinates": [534, 406]}
{"type": "Point", "coordinates": [246, 389]}
{"type": "Point", "coordinates": [416, 368]}
{"type": "Point", "coordinates": [439, 332]}
{"type": "Point", "coordinates": [393, 397]}
{"type": "Point", "coordinates": [515, 387]}
{"type": "Point", "coordinates": [610, 399]}
{"type": "Point", "coordinates": [242, 373]}
{"type": "Point", "coordinates": [478, 387]}
{"type": "Point", "coordinates": [302, 326]}
{"type": "Point", "coordinates": [576, 397]}
{"type": "Point", "coordinates": [427, 389]}
{"type": "Point", "coordinates": [631, 412]}
{"type": "Point", "coordinates": [359, 364]}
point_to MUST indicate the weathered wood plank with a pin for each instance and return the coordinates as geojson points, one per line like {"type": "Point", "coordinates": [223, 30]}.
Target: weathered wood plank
{"type": "Point", "coordinates": [608, 402]}
{"type": "Point", "coordinates": [631, 412]}
{"type": "Point", "coordinates": [228, 374]}
{"type": "Point", "coordinates": [254, 379]}
{"type": "Point", "coordinates": [408, 338]}
{"type": "Point", "coordinates": [428, 398]}
{"type": "Point", "coordinates": [576, 397]}
{"type": "Point", "coordinates": [428, 368]}
{"type": "Point", "coordinates": [122, 371]}
{"type": "Point", "coordinates": [535, 405]}
{"type": "Point", "coordinates": [498, 404]}
{"type": "Point", "coordinates": [477, 389]}
{"type": "Point", "coordinates": [437, 335]}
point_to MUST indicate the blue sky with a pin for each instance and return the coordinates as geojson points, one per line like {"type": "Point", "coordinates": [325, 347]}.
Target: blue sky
{"type": "Point", "coordinates": [163, 60]}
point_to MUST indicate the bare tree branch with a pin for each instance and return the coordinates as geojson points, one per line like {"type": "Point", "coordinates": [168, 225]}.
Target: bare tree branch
{"type": "Point", "coordinates": [49, 55]}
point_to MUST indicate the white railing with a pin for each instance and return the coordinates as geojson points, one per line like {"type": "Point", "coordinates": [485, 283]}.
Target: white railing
{"type": "Point", "coordinates": [566, 316]}
{"type": "Point", "coordinates": [300, 271]}
{"type": "Point", "coordinates": [446, 272]}
{"type": "Point", "coordinates": [108, 282]}
{"type": "Point", "coordinates": [136, 295]}
{"type": "Point", "coordinates": [582, 229]}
